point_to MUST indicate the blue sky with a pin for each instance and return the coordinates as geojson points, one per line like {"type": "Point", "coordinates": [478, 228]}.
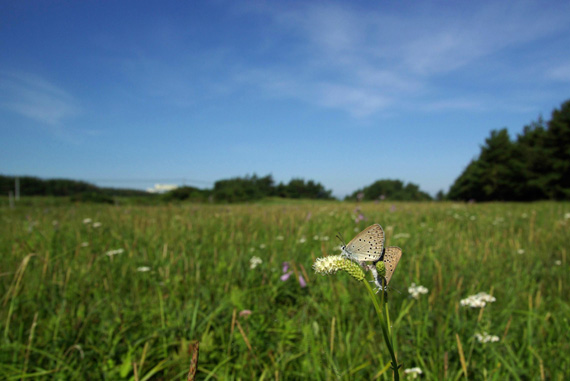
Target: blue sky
{"type": "Point", "coordinates": [130, 93]}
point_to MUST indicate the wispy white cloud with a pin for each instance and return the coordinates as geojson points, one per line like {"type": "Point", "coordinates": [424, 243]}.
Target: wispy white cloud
{"type": "Point", "coordinates": [560, 73]}
{"type": "Point", "coordinates": [364, 61]}
{"type": "Point", "coordinates": [36, 98]}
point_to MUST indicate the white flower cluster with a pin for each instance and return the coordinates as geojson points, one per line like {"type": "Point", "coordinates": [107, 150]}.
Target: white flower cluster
{"type": "Point", "coordinates": [413, 372]}
{"type": "Point", "coordinates": [143, 269]}
{"type": "Point", "coordinates": [486, 338]}
{"type": "Point", "coordinates": [110, 253]}
{"type": "Point", "coordinates": [327, 265]}
{"type": "Point", "coordinates": [415, 291]}
{"type": "Point", "coordinates": [254, 261]}
{"type": "Point", "coordinates": [479, 300]}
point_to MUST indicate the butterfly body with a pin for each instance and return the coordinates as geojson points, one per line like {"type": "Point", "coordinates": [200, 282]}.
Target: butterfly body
{"type": "Point", "coordinates": [368, 246]}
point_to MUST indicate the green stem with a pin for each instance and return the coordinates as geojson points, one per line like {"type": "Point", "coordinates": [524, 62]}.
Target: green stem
{"type": "Point", "coordinates": [386, 332]}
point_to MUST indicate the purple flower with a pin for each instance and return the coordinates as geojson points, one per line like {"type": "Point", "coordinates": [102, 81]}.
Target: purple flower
{"type": "Point", "coordinates": [393, 208]}
{"type": "Point", "coordinates": [244, 313]}
{"type": "Point", "coordinates": [284, 277]}
{"type": "Point", "coordinates": [302, 281]}
{"type": "Point", "coordinates": [285, 267]}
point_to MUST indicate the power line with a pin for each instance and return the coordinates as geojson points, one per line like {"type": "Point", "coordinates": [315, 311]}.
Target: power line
{"type": "Point", "coordinates": [150, 180]}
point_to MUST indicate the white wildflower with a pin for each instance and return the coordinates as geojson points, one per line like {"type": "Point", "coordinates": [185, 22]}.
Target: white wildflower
{"type": "Point", "coordinates": [520, 251]}
{"type": "Point", "coordinates": [110, 253]}
{"type": "Point", "coordinates": [84, 244]}
{"type": "Point", "coordinates": [87, 220]}
{"type": "Point", "coordinates": [143, 269]}
{"type": "Point", "coordinates": [558, 262]}
{"type": "Point", "coordinates": [415, 291]}
{"type": "Point", "coordinates": [413, 373]}
{"type": "Point", "coordinates": [486, 338]}
{"type": "Point", "coordinates": [316, 237]}
{"type": "Point", "coordinates": [254, 261]}
{"type": "Point", "coordinates": [324, 238]}
{"type": "Point", "coordinates": [302, 240]}
{"type": "Point", "coordinates": [262, 246]}
{"type": "Point", "coordinates": [96, 225]}
{"type": "Point", "coordinates": [567, 216]}
{"type": "Point", "coordinates": [279, 238]}
{"type": "Point", "coordinates": [478, 300]}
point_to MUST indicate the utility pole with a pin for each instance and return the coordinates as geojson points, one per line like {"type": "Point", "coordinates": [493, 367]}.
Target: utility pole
{"type": "Point", "coordinates": [17, 186]}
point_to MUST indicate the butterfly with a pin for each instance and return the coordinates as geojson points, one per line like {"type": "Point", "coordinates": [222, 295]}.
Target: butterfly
{"type": "Point", "coordinates": [368, 246]}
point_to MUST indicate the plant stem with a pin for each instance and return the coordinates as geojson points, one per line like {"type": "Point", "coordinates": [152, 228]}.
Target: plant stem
{"type": "Point", "coordinates": [386, 332]}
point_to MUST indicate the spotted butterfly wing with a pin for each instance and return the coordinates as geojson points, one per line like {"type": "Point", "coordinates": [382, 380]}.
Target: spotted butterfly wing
{"type": "Point", "coordinates": [367, 245]}
{"type": "Point", "coordinates": [392, 256]}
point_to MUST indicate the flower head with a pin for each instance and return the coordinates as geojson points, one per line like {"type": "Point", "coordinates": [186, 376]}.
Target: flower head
{"type": "Point", "coordinates": [110, 253]}
{"type": "Point", "coordinates": [333, 263]}
{"type": "Point", "coordinates": [415, 291]}
{"type": "Point", "coordinates": [254, 261]}
{"type": "Point", "coordinates": [244, 313]}
{"type": "Point", "coordinates": [479, 300]}
{"type": "Point", "coordinates": [413, 372]}
{"type": "Point", "coordinates": [143, 269]}
{"type": "Point", "coordinates": [486, 338]}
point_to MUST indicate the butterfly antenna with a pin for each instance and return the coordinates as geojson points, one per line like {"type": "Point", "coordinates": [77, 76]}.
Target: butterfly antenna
{"type": "Point", "coordinates": [339, 236]}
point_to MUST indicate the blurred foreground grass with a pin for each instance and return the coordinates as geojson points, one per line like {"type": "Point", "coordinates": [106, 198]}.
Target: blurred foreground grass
{"type": "Point", "coordinates": [120, 292]}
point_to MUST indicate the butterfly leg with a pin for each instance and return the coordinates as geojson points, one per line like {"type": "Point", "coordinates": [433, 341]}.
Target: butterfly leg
{"type": "Point", "coordinates": [377, 278]}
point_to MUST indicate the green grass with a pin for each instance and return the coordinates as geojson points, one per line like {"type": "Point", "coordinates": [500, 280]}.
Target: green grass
{"type": "Point", "coordinates": [69, 311]}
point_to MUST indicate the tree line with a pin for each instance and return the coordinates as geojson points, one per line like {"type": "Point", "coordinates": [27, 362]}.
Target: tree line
{"type": "Point", "coordinates": [238, 189]}
{"type": "Point", "coordinates": [534, 166]}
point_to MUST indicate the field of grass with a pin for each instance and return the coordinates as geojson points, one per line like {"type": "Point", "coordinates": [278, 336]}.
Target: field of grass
{"type": "Point", "coordinates": [121, 292]}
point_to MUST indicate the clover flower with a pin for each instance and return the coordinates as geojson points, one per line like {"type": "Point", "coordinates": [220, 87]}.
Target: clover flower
{"type": "Point", "coordinates": [479, 300]}
{"type": "Point", "coordinates": [486, 338]}
{"type": "Point", "coordinates": [415, 291]}
{"type": "Point", "coordinates": [333, 263]}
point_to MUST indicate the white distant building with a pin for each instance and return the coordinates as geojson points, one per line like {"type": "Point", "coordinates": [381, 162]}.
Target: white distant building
{"type": "Point", "coordinates": [162, 188]}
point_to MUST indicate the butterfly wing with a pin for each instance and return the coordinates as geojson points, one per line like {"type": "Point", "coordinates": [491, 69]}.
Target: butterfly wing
{"type": "Point", "coordinates": [392, 256]}
{"type": "Point", "coordinates": [367, 245]}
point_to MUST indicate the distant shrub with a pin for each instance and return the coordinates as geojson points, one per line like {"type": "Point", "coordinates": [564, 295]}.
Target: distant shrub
{"type": "Point", "coordinates": [186, 194]}
{"type": "Point", "coordinates": [94, 197]}
{"type": "Point", "coordinates": [393, 190]}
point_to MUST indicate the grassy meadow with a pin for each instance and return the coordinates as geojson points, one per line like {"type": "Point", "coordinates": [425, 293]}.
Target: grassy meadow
{"type": "Point", "coordinates": [121, 292]}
